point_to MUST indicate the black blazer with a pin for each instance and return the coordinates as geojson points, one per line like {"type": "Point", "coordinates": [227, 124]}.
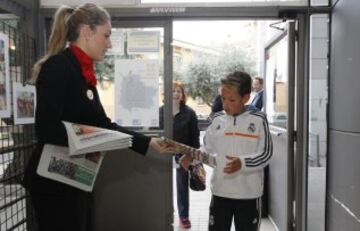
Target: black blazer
{"type": "Point", "coordinates": [258, 100]}
{"type": "Point", "coordinates": [217, 105]}
{"type": "Point", "coordinates": [63, 94]}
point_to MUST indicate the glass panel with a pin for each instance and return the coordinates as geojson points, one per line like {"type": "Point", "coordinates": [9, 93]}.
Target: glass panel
{"type": "Point", "coordinates": [276, 83]}
{"type": "Point", "coordinates": [204, 51]}
{"type": "Point", "coordinates": [258, 2]}
{"type": "Point", "coordinates": [317, 122]}
{"type": "Point", "coordinates": [131, 77]}
{"type": "Point", "coordinates": [277, 55]}
{"type": "Point", "coordinates": [319, 2]}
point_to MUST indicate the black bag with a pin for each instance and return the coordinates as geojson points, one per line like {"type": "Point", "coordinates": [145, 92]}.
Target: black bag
{"type": "Point", "coordinates": [197, 177]}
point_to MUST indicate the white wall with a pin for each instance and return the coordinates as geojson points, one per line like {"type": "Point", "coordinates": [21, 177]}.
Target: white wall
{"type": "Point", "coordinates": [318, 82]}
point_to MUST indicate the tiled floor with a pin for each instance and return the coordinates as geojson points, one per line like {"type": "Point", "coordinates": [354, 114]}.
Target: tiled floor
{"type": "Point", "coordinates": [199, 209]}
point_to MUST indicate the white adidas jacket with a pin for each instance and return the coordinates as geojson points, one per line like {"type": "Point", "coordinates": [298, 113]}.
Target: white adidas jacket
{"type": "Point", "coordinates": [245, 136]}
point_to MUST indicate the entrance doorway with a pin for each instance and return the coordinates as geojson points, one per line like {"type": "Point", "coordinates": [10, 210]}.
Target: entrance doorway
{"type": "Point", "coordinates": [203, 52]}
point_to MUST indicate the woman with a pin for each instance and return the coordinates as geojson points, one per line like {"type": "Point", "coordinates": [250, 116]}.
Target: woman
{"type": "Point", "coordinates": [186, 131]}
{"type": "Point", "coordinates": [66, 90]}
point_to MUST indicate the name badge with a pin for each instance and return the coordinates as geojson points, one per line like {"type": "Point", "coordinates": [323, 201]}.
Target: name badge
{"type": "Point", "coordinates": [90, 94]}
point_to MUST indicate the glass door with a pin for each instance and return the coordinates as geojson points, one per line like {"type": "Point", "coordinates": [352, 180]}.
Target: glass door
{"type": "Point", "coordinates": [133, 85]}
{"type": "Point", "coordinates": [132, 77]}
{"type": "Point", "coordinates": [279, 80]}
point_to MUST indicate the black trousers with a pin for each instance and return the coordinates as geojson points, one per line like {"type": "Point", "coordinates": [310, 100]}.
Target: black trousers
{"type": "Point", "coordinates": [265, 196]}
{"type": "Point", "coordinates": [69, 212]}
{"type": "Point", "coordinates": [246, 214]}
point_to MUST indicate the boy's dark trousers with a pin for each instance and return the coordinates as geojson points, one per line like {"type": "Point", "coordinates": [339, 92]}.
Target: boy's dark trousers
{"type": "Point", "coordinates": [265, 196]}
{"type": "Point", "coordinates": [246, 214]}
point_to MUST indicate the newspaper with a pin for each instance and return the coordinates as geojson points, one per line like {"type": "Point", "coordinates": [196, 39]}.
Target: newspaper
{"type": "Point", "coordinates": [79, 171]}
{"type": "Point", "coordinates": [194, 153]}
{"type": "Point", "coordinates": [86, 139]}
{"type": "Point", "coordinates": [79, 164]}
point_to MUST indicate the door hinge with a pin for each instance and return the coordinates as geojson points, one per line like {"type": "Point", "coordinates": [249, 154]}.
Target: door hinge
{"type": "Point", "coordinates": [296, 34]}
{"type": "Point", "coordinates": [295, 135]}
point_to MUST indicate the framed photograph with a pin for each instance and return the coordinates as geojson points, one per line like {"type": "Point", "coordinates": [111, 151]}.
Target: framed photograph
{"type": "Point", "coordinates": [24, 98]}
{"type": "Point", "coordinates": [4, 77]}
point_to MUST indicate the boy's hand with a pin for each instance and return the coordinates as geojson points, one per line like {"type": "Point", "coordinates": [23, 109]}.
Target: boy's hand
{"type": "Point", "coordinates": [196, 154]}
{"type": "Point", "coordinates": [185, 162]}
{"type": "Point", "coordinates": [233, 165]}
{"type": "Point", "coordinates": [161, 146]}
{"type": "Point", "coordinates": [193, 153]}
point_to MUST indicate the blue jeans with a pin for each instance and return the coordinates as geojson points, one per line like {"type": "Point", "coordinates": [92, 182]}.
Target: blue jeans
{"type": "Point", "coordinates": [182, 187]}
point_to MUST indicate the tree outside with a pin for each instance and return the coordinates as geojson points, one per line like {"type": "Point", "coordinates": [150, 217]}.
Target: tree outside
{"type": "Point", "coordinates": [203, 74]}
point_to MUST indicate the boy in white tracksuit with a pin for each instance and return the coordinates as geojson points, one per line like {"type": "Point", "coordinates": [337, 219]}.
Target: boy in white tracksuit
{"type": "Point", "coordinates": [240, 146]}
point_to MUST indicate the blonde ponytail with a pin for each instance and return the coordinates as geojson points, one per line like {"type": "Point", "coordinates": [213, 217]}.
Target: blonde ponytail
{"type": "Point", "coordinates": [57, 40]}
{"type": "Point", "coordinates": [65, 28]}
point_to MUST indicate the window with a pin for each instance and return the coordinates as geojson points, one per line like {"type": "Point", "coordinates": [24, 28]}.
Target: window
{"type": "Point", "coordinates": [233, 2]}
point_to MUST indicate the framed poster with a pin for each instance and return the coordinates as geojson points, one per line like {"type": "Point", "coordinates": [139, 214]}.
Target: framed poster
{"type": "Point", "coordinates": [24, 98]}
{"type": "Point", "coordinates": [4, 76]}
{"type": "Point", "coordinates": [117, 43]}
{"type": "Point", "coordinates": [137, 92]}
{"type": "Point", "coordinates": [143, 41]}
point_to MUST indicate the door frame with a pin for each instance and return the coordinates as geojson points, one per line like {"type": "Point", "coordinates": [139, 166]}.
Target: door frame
{"type": "Point", "coordinates": [288, 133]}
{"type": "Point", "coordinates": [302, 121]}
{"type": "Point", "coordinates": [164, 16]}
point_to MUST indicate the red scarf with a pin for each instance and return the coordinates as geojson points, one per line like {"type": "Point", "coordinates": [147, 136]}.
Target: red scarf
{"type": "Point", "coordinates": [86, 63]}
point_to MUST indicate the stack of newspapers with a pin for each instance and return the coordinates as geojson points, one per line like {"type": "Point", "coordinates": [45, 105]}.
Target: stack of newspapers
{"type": "Point", "coordinates": [86, 139]}
{"type": "Point", "coordinates": [79, 164]}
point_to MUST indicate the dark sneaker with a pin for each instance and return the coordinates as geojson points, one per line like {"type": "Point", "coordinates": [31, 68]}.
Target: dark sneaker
{"type": "Point", "coordinates": [185, 223]}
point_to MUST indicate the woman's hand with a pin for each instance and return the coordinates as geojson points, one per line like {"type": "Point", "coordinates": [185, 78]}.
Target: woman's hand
{"type": "Point", "coordinates": [233, 165]}
{"type": "Point", "coordinates": [161, 146]}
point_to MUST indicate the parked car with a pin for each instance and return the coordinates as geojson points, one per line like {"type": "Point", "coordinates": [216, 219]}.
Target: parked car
{"type": "Point", "coordinates": [279, 119]}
